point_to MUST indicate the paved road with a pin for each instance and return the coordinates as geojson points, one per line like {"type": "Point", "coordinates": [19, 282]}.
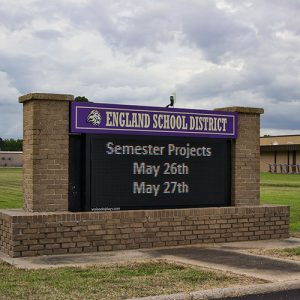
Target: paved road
{"type": "Point", "coordinates": [235, 261]}
{"type": "Point", "coordinates": [283, 295]}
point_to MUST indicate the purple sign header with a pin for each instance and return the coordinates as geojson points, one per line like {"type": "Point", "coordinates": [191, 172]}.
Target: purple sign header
{"type": "Point", "coordinates": [87, 117]}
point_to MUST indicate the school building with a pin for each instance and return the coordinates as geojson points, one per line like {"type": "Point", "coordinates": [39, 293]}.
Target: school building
{"type": "Point", "coordinates": [280, 154]}
{"type": "Point", "coordinates": [11, 159]}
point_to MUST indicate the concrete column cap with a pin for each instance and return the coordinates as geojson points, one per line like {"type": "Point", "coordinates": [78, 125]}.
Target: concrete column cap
{"type": "Point", "coordinates": [46, 96]}
{"type": "Point", "coordinates": [241, 109]}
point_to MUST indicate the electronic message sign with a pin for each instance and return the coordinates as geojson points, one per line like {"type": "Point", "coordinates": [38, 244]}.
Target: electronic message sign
{"type": "Point", "coordinates": [150, 158]}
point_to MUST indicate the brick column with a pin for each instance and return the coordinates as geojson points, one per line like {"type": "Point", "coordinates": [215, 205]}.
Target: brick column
{"type": "Point", "coordinates": [45, 151]}
{"type": "Point", "coordinates": [246, 157]}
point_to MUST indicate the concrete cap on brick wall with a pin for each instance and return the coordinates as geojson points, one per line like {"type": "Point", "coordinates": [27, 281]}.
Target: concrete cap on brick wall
{"type": "Point", "coordinates": [241, 109]}
{"type": "Point", "coordinates": [45, 96]}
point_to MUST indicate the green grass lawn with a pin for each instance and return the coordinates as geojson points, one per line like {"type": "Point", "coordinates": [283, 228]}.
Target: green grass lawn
{"type": "Point", "coordinates": [110, 282]}
{"type": "Point", "coordinates": [282, 189]}
{"type": "Point", "coordinates": [10, 188]}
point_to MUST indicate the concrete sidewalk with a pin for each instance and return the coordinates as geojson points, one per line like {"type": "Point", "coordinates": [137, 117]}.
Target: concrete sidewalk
{"type": "Point", "coordinates": [231, 257]}
{"type": "Point", "coordinates": [234, 258]}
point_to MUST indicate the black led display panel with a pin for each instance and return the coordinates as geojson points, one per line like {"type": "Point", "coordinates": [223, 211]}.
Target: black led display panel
{"type": "Point", "coordinates": [148, 172]}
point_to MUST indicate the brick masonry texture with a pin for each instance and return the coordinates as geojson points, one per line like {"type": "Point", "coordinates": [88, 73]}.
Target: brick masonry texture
{"type": "Point", "coordinates": [246, 157]}
{"type": "Point", "coordinates": [30, 234]}
{"type": "Point", "coordinates": [45, 151]}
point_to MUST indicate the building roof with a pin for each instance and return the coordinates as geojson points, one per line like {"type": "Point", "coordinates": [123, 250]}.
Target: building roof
{"type": "Point", "coordinates": [287, 147]}
{"type": "Point", "coordinates": [280, 140]}
{"type": "Point", "coordinates": [11, 152]}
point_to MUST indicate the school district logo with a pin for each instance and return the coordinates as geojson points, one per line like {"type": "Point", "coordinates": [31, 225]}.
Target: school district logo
{"type": "Point", "coordinates": [94, 117]}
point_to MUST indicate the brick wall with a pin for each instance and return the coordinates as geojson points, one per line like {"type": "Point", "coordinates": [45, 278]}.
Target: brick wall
{"type": "Point", "coordinates": [30, 234]}
{"type": "Point", "coordinates": [6, 241]}
{"type": "Point", "coordinates": [45, 151]}
{"type": "Point", "coordinates": [246, 157]}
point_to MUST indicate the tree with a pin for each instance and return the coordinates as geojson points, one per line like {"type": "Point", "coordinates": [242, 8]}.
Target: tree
{"type": "Point", "coordinates": [11, 145]}
{"type": "Point", "coordinates": [81, 99]}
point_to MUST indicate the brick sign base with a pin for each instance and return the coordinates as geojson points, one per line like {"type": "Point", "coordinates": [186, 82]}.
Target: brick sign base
{"type": "Point", "coordinates": [31, 234]}
{"type": "Point", "coordinates": [45, 226]}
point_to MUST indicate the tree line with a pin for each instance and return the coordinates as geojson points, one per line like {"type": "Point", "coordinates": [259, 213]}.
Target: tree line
{"type": "Point", "coordinates": [11, 144]}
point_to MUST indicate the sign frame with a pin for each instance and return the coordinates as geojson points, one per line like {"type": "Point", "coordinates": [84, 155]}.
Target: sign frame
{"type": "Point", "coordinates": [147, 120]}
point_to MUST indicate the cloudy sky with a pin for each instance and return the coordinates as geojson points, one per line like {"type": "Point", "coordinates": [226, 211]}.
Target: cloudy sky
{"type": "Point", "coordinates": [212, 53]}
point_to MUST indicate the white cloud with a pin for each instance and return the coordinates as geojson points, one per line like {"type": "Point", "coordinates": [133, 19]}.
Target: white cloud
{"type": "Point", "coordinates": [215, 53]}
{"type": "Point", "coordinates": [11, 114]}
